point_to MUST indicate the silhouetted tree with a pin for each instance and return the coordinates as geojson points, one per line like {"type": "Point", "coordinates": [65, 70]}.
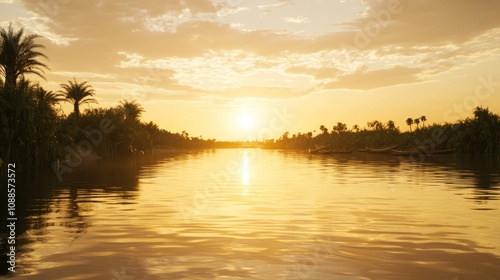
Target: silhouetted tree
{"type": "Point", "coordinates": [340, 127]}
{"type": "Point", "coordinates": [391, 125]}
{"type": "Point", "coordinates": [47, 98]}
{"type": "Point", "coordinates": [19, 55]}
{"type": "Point", "coordinates": [409, 121]}
{"type": "Point", "coordinates": [78, 94]}
{"type": "Point", "coordinates": [28, 125]}
{"type": "Point", "coordinates": [416, 121]}
{"type": "Point", "coordinates": [323, 129]}
{"type": "Point", "coordinates": [131, 109]}
{"type": "Point", "coordinates": [423, 119]}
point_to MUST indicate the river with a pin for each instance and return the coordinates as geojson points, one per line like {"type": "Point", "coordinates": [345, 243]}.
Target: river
{"type": "Point", "coordinates": [262, 214]}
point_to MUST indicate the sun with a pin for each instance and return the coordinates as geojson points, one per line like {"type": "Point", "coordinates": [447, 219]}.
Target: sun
{"type": "Point", "coordinates": [246, 121]}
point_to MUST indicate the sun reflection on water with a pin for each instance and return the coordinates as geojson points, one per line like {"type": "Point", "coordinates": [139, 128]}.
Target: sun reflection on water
{"type": "Point", "coordinates": [245, 174]}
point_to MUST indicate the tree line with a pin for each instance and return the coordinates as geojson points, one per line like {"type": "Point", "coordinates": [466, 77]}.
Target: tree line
{"type": "Point", "coordinates": [478, 134]}
{"type": "Point", "coordinates": [35, 132]}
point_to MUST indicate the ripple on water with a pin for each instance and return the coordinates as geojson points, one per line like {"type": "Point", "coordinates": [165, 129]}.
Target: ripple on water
{"type": "Point", "coordinates": [282, 215]}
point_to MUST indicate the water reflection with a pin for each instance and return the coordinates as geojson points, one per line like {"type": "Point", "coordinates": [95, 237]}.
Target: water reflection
{"type": "Point", "coordinates": [245, 174]}
{"type": "Point", "coordinates": [52, 214]}
{"type": "Point", "coordinates": [284, 215]}
{"type": "Point", "coordinates": [481, 176]}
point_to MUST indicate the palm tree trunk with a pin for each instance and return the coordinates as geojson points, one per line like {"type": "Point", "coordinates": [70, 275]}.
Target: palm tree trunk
{"type": "Point", "coordinates": [76, 109]}
{"type": "Point", "coordinates": [10, 78]}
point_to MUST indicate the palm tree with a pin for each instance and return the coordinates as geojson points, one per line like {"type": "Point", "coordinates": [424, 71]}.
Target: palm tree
{"type": "Point", "coordinates": [376, 125]}
{"type": "Point", "coordinates": [18, 55]}
{"type": "Point", "coordinates": [48, 98]}
{"type": "Point", "coordinates": [423, 119]}
{"type": "Point", "coordinates": [417, 121]}
{"type": "Point", "coordinates": [409, 121]}
{"type": "Point", "coordinates": [481, 113]}
{"type": "Point", "coordinates": [340, 127]}
{"type": "Point", "coordinates": [78, 94]}
{"type": "Point", "coordinates": [323, 129]}
{"type": "Point", "coordinates": [131, 110]}
{"type": "Point", "coordinates": [285, 135]}
{"type": "Point", "coordinates": [487, 127]}
{"type": "Point", "coordinates": [391, 125]}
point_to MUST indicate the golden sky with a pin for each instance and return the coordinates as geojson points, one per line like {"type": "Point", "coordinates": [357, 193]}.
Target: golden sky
{"type": "Point", "coordinates": [247, 69]}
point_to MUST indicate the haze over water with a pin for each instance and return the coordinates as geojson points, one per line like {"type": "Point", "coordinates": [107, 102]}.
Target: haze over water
{"type": "Point", "coordinates": [279, 215]}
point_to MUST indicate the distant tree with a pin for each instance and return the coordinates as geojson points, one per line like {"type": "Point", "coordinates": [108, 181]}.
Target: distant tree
{"type": "Point", "coordinates": [376, 125]}
{"type": "Point", "coordinates": [285, 135]}
{"type": "Point", "coordinates": [417, 121]}
{"type": "Point", "coordinates": [323, 129]}
{"type": "Point", "coordinates": [131, 110]}
{"type": "Point", "coordinates": [409, 121]}
{"type": "Point", "coordinates": [340, 127]}
{"type": "Point", "coordinates": [19, 55]}
{"type": "Point", "coordinates": [355, 128]}
{"type": "Point", "coordinates": [391, 125]}
{"type": "Point", "coordinates": [423, 119]}
{"type": "Point", "coordinates": [47, 98]}
{"type": "Point", "coordinates": [78, 94]}
{"type": "Point", "coordinates": [482, 114]}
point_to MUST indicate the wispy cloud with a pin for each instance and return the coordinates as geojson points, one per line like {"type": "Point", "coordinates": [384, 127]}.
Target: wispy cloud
{"type": "Point", "coordinates": [299, 19]}
{"type": "Point", "coordinates": [278, 4]}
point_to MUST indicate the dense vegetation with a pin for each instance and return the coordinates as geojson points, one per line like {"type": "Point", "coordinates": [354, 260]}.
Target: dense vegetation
{"type": "Point", "coordinates": [479, 134]}
{"type": "Point", "coordinates": [33, 132]}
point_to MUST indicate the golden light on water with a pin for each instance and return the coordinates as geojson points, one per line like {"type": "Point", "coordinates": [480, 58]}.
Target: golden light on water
{"type": "Point", "coordinates": [270, 212]}
{"type": "Point", "coordinates": [245, 174]}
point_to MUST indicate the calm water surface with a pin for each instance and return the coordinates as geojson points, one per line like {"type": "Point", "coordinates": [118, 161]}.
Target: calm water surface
{"type": "Point", "coordinates": [264, 214]}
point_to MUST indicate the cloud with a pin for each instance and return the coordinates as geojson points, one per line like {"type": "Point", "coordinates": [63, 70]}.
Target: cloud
{"type": "Point", "coordinates": [317, 73]}
{"type": "Point", "coordinates": [266, 92]}
{"type": "Point", "coordinates": [278, 4]}
{"type": "Point", "coordinates": [427, 22]}
{"type": "Point", "coordinates": [299, 19]}
{"type": "Point", "coordinates": [196, 46]}
{"type": "Point", "coordinates": [366, 80]}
